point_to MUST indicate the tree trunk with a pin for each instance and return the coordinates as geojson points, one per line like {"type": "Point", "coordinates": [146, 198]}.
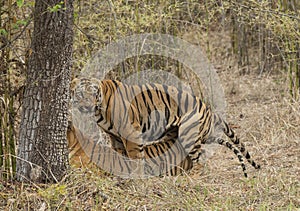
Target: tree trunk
{"type": "Point", "coordinates": [42, 149]}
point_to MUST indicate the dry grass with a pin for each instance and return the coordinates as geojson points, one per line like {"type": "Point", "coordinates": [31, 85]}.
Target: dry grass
{"type": "Point", "coordinates": [267, 122]}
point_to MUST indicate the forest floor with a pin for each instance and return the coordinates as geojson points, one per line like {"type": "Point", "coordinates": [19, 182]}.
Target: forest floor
{"type": "Point", "coordinates": [267, 122]}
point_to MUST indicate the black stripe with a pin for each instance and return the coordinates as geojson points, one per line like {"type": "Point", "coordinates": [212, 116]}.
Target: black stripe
{"type": "Point", "coordinates": [186, 102]}
{"type": "Point", "coordinates": [93, 152]}
{"type": "Point", "coordinates": [166, 92]}
{"type": "Point", "coordinates": [167, 114]}
{"type": "Point", "coordinates": [123, 100]}
{"type": "Point", "coordinates": [100, 119]}
{"type": "Point", "coordinates": [179, 110]}
{"type": "Point", "coordinates": [135, 94]}
{"type": "Point", "coordinates": [115, 83]}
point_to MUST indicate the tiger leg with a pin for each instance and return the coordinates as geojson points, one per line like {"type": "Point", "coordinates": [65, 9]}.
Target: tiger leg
{"type": "Point", "coordinates": [125, 147]}
{"type": "Point", "coordinates": [167, 156]}
{"type": "Point", "coordinates": [128, 129]}
{"type": "Point", "coordinates": [117, 145]}
{"type": "Point", "coordinates": [194, 127]}
{"type": "Point", "coordinates": [132, 141]}
{"type": "Point", "coordinates": [179, 160]}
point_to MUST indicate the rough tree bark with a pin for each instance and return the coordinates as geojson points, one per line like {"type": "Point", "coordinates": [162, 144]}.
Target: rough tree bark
{"type": "Point", "coordinates": [42, 148]}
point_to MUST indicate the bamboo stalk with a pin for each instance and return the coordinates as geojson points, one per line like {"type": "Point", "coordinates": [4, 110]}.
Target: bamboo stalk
{"type": "Point", "coordinates": [290, 70]}
{"type": "Point", "coordinates": [297, 71]}
{"type": "Point", "coordinates": [12, 141]}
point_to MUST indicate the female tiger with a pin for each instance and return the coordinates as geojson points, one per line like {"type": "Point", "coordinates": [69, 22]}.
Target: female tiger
{"type": "Point", "coordinates": [84, 149]}
{"type": "Point", "coordinates": [146, 115]}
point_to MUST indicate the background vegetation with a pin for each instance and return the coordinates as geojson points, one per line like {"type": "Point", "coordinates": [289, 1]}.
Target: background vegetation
{"type": "Point", "coordinates": [254, 46]}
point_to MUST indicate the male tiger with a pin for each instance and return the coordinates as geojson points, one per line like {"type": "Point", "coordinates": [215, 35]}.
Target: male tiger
{"type": "Point", "coordinates": [136, 116]}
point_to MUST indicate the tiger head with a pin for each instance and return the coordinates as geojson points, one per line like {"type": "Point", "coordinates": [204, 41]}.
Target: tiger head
{"type": "Point", "coordinates": [86, 94]}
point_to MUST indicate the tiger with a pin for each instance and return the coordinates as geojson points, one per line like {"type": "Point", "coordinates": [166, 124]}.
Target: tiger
{"type": "Point", "coordinates": [137, 116]}
{"type": "Point", "coordinates": [77, 156]}
{"type": "Point", "coordinates": [80, 146]}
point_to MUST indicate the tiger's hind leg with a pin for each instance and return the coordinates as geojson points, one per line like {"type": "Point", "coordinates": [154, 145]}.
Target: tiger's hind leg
{"type": "Point", "coordinates": [194, 129]}
{"type": "Point", "coordinates": [167, 157]}
{"type": "Point", "coordinates": [117, 145]}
